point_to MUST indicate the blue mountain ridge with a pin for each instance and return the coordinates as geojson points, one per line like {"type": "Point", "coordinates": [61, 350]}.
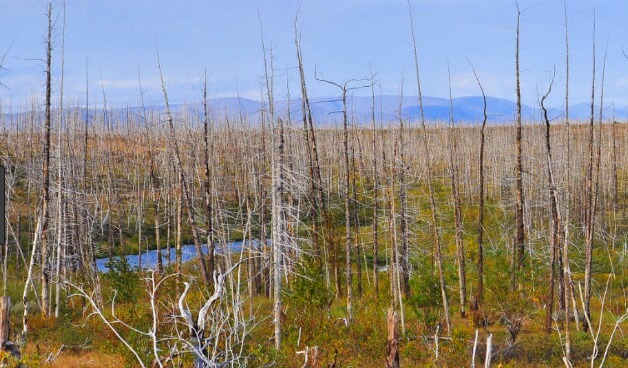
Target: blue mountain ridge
{"type": "Point", "coordinates": [327, 111]}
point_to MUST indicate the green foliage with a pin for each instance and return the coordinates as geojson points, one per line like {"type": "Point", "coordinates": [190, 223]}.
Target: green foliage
{"type": "Point", "coordinates": [124, 281]}
{"type": "Point", "coordinates": [308, 291]}
{"type": "Point", "coordinates": [426, 300]}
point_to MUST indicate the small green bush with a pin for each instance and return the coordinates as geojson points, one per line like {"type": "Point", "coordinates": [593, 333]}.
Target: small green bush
{"type": "Point", "coordinates": [124, 281]}
{"type": "Point", "coordinates": [426, 300]}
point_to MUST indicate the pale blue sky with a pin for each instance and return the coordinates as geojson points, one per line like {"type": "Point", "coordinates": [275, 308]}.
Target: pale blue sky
{"type": "Point", "coordinates": [343, 39]}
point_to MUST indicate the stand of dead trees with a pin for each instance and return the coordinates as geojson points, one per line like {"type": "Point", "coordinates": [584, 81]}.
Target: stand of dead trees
{"type": "Point", "coordinates": [270, 195]}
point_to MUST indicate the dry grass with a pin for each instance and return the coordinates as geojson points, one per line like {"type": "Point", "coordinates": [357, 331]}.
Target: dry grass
{"type": "Point", "coordinates": [87, 360]}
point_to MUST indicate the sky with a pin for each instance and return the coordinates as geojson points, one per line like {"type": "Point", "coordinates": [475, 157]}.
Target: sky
{"type": "Point", "coordinates": [115, 43]}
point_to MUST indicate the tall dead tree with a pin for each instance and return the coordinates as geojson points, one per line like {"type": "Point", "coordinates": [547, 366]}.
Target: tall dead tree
{"type": "Point", "coordinates": [589, 219]}
{"type": "Point", "coordinates": [375, 193]}
{"type": "Point", "coordinates": [555, 215]}
{"type": "Point", "coordinates": [279, 223]}
{"type": "Point", "coordinates": [209, 212]}
{"type": "Point", "coordinates": [430, 168]}
{"type": "Point", "coordinates": [45, 190]}
{"type": "Point", "coordinates": [520, 231]}
{"type": "Point", "coordinates": [153, 179]}
{"type": "Point", "coordinates": [404, 256]}
{"type": "Point", "coordinates": [480, 290]}
{"type": "Point", "coordinates": [318, 213]}
{"type": "Point", "coordinates": [565, 253]}
{"type": "Point", "coordinates": [452, 138]}
{"type": "Point", "coordinates": [345, 88]}
{"type": "Point", "coordinates": [187, 198]}
{"type": "Point", "coordinates": [60, 197]}
{"type": "Point", "coordinates": [41, 232]}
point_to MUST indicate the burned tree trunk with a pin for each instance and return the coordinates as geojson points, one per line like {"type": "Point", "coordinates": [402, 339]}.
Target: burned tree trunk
{"type": "Point", "coordinates": [480, 291]}
{"type": "Point", "coordinates": [5, 328]}
{"type": "Point", "coordinates": [520, 235]}
{"type": "Point", "coordinates": [555, 215]}
{"type": "Point", "coordinates": [42, 222]}
{"type": "Point", "coordinates": [392, 346]}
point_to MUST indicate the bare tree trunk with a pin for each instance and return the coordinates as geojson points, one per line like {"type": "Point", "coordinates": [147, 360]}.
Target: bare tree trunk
{"type": "Point", "coordinates": [5, 320]}
{"type": "Point", "coordinates": [183, 184]}
{"type": "Point", "coordinates": [375, 196]}
{"type": "Point", "coordinates": [489, 351]}
{"type": "Point", "coordinates": [356, 224]}
{"type": "Point", "coordinates": [435, 231]}
{"type": "Point", "coordinates": [45, 276]}
{"type": "Point", "coordinates": [565, 254]}
{"type": "Point", "coordinates": [520, 236]}
{"type": "Point", "coordinates": [42, 221]}
{"type": "Point", "coordinates": [403, 204]}
{"type": "Point", "coordinates": [347, 183]}
{"type": "Point", "coordinates": [392, 349]}
{"type": "Point", "coordinates": [455, 193]}
{"type": "Point", "coordinates": [278, 224]}
{"type": "Point", "coordinates": [555, 217]}
{"type": "Point", "coordinates": [345, 144]}
{"type": "Point", "coordinates": [208, 182]}
{"type": "Point", "coordinates": [60, 219]}
{"type": "Point", "coordinates": [480, 291]}
{"type": "Point", "coordinates": [589, 205]}
{"type": "Point", "coordinates": [179, 233]}
{"type": "Point", "coordinates": [319, 212]}
{"type": "Point", "coordinates": [89, 259]}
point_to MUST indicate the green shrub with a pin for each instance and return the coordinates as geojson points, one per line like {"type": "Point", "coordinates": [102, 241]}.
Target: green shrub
{"type": "Point", "coordinates": [308, 291]}
{"type": "Point", "coordinates": [124, 281]}
{"type": "Point", "coordinates": [426, 300]}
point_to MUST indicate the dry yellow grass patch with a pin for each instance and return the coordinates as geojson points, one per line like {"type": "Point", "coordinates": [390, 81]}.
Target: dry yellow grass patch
{"type": "Point", "coordinates": [90, 359]}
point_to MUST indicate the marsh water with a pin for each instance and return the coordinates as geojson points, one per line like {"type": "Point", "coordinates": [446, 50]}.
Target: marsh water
{"type": "Point", "coordinates": [188, 253]}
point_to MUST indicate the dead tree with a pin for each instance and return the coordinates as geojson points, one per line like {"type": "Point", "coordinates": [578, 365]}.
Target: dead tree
{"type": "Point", "coordinates": [344, 88]}
{"type": "Point", "coordinates": [435, 231]}
{"type": "Point", "coordinates": [452, 138]}
{"type": "Point", "coordinates": [6, 346]}
{"type": "Point", "coordinates": [45, 190]}
{"type": "Point", "coordinates": [207, 334]}
{"type": "Point", "coordinates": [392, 346]}
{"type": "Point", "coordinates": [567, 285]}
{"type": "Point", "coordinates": [5, 319]}
{"type": "Point", "coordinates": [41, 231]}
{"type": "Point", "coordinates": [480, 290]}
{"type": "Point", "coordinates": [375, 194]}
{"type": "Point", "coordinates": [208, 148]}
{"type": "Point", "coordinates": [187, 199]}
{"type": "Point", "coordinates": [60, 197]}
{"type": "Point", "coordinates": [589, 204]}
{"type": "Point", "coordinates": [279, 225]}
{"type": "Point", "coordinates": [520, 231]}
{"type": "Point", "coordinates": [318, 214]}
{"type": "Point", "coordinates": [153, 178]}
{"type": "Point", "coordinates": [404, 256]}
{"type": "Point", "coordinates": [555, 215]}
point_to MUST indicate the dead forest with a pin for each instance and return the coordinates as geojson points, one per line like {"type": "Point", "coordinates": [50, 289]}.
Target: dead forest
{"type": "Point", "coordinates": [370, 243]}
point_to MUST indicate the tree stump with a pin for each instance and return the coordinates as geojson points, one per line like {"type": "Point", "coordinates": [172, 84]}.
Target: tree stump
{"type": "Point", "coordinates": [5, 319]}
{"type": "Point", "coordinates": [392, 358]}
{"type": "Point", "coordinates": [5, 328]}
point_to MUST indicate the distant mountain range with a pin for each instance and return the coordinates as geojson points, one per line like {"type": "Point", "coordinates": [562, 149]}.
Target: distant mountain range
{"type": "Point", "coordinates": [327, 110]}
